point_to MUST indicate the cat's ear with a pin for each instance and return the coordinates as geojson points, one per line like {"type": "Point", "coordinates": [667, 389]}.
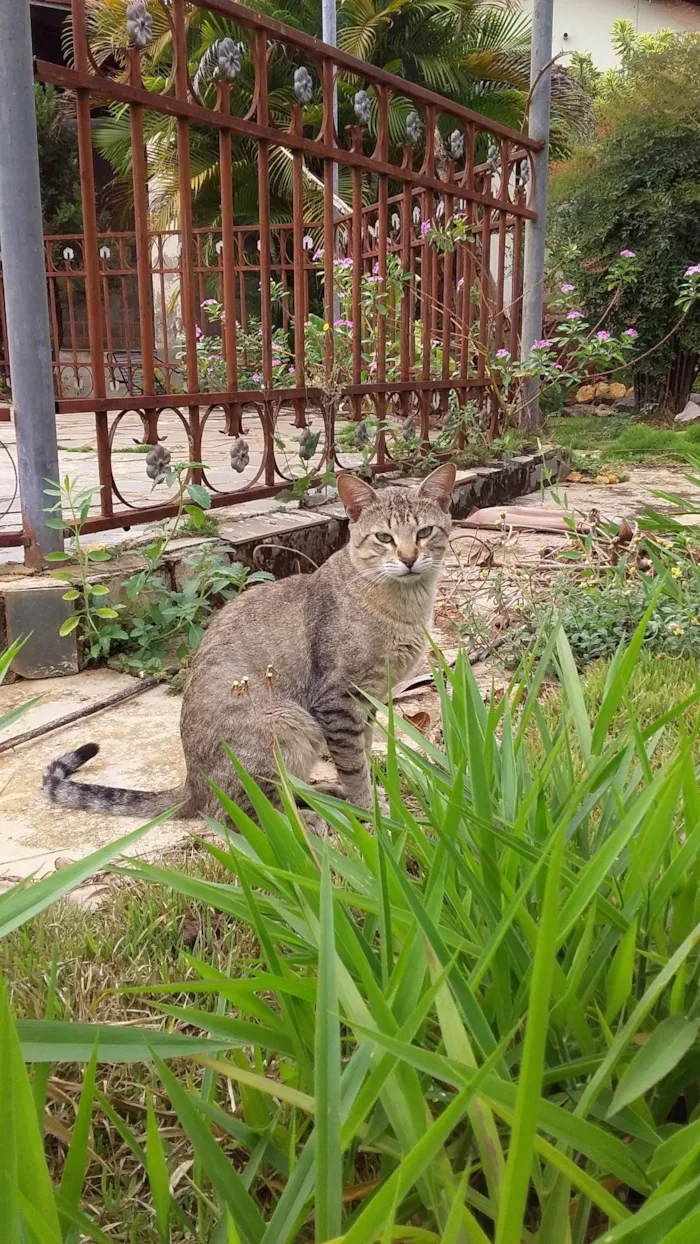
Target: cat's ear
{"type": "Point", "coordinates": [439, 484]}
{"type": "Point", "coordinates": [355, 495]}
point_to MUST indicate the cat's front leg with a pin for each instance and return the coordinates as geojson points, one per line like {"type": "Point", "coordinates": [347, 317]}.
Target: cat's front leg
{"type": "Point", "coordinates": [344, 726]}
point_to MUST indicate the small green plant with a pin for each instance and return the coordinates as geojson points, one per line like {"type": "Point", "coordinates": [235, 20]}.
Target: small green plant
{"type": "Point", "coordinates": [99, 623]}
{"type": "Point", "coordinates": [159, 626]}
{"type": "Point", "coordinates": [167, 624]}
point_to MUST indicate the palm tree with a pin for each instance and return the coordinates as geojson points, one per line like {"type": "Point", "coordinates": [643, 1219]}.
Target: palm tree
{"type": "Point", "coordinates": [470, 51]}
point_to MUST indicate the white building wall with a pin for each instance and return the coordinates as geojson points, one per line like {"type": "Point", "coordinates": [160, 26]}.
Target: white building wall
{"type": "Point", "coordinates": [585, 25]}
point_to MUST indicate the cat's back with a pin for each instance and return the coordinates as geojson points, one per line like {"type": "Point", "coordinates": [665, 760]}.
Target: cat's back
{"type": "Point", "coordinates": [267, 624]}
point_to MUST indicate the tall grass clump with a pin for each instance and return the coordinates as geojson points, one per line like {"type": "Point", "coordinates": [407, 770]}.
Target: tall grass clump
{"type": "Point", "coordinates": [472, 1017]}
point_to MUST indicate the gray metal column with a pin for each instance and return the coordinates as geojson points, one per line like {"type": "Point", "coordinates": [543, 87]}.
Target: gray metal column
{"type": "Point", "coordinates": [536, 230]}
{"type": "Point", "coordinates": [24, 278]}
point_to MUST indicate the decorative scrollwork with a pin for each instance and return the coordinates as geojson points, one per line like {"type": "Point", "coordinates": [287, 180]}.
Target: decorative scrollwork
{"type": "Point", "coordinates": [157, 462]}
{"type": "Point", "coordinates": [363, 107]}
{"type": "Point", "coordinates": [414, 129]}
{"type": "Point", "coordinates": [456, 144]}
{"type": "Point", "coordinates": [220, 63]}
{"type": "Point", "coordinates": [139, 24]}
{"type": "Point", "coordinates": [303, 85]}
{"type": "Point", "coordinates": [239, 455]}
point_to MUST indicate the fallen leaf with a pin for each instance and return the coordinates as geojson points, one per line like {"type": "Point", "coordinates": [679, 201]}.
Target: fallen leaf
{"type": "Point", "coordinates": [421, 720]}
{"type": "Point", "coordinates": [574, 477]}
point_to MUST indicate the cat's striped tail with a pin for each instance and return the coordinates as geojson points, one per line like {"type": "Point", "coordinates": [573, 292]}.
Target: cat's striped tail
{"type": "Point", "coordinates": [112, 799]}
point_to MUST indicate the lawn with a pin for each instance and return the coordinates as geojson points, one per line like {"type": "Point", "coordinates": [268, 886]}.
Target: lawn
{"type": "Point", "coordinates": [621, 438]}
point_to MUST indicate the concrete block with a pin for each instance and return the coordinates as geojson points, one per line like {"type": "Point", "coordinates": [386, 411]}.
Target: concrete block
{"type": "Point", "coordinates": [35, 609]}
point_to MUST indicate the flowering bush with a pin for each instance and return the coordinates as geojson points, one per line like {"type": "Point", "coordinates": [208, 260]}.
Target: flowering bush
{"type": "Point", "coordinates": [249, 351]}
{"type": "Point", "coordinates": [577, 352]}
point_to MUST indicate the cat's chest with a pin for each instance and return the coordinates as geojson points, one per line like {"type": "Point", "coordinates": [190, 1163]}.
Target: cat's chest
{"type": "Point", "coordinates": [394, 657]}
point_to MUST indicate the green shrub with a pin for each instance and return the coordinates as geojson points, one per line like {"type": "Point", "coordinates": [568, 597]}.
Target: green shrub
{"type": "Point", "coordinates": [636, 185]}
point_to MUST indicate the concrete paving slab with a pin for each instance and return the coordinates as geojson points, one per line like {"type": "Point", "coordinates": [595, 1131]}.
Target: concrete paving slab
{"type": "Point", "coordinates": [140, 747]}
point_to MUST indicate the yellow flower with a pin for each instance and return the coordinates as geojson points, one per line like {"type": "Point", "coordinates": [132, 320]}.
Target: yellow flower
{"type": "Point", "coordinates": [676, 572]}
{"type": "Point", "coordinates": [678, 630]}
{"type": "Point", "coordinates": [696, 621]}
{"type": "Point", "coordinates": [326, 328]}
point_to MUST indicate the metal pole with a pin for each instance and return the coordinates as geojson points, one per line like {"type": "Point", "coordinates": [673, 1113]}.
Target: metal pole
{"type": "Point", "coordinates": [24, 279]}
{"type": "Point", "coordinates": [329, 33]}
{"type": "Point", "coordinates": [535, 230]}
{"type": "Point", "coordinates": [329, 29]}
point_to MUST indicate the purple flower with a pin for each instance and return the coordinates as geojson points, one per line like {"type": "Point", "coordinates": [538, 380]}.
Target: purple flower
{"type": "Point", "coordinates": [209, 302]}
{"type": "Point", "coordinates": [566, 288]}
{"type": "Point", "coordinates": [556, 367]}
{"type": "Point", "coordinates": [372, 280]}
{"type": "Point", "coordinates": [503, 354]}
{"type": "Point", "coordinates": [602, 335]}
{"type": "Point", "coordinates": [628, 254]}
{"type": "Point", "coordinates": [255, 378]}
{"type": "Point", "coordinates": [436, 343]}
{"type": "Point", "coordinates": [373, 366]}
{"type": "Point", "coordinates": [425, 228]}
{"type": "Point", "coordinates": [693, 271]}
{"type": "Point", "coordinates": [198, 332]}
{"type": "Point", "coordinates": [575, 315]}
{"type": "Point", "coordinates": [319, 253]}
{"type": "Point", "coordinates": [375, 268]}
{"type": "Point", "coordinates": [344, 263]}
{"type": "Point", "coordinates": [544, 344]}
{"type": "Point", "coordinates": [630, 332]}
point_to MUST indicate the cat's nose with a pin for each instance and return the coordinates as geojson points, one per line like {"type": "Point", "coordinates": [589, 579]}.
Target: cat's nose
{"type": "Point", "coordinates": [408, 557]}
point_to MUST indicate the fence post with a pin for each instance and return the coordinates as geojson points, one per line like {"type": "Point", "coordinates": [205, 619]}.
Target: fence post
{"type": "Point", "coordinates": [24, 278]}
{"type": "Point", "coordinates": [536, 230]}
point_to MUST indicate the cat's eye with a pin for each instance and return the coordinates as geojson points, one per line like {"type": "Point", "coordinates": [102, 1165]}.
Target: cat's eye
{"type": "Point", "coordinates": [384, 537]}
{"type": "Point", "coordinates": [424, 533]}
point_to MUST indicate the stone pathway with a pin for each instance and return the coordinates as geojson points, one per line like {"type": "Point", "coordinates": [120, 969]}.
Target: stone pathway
{"type": "Point", "coordinates": [139, 739]}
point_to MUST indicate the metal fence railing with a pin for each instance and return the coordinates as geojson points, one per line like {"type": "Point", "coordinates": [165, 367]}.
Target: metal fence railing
{"type": "Point", "coordinates": [387, 309]}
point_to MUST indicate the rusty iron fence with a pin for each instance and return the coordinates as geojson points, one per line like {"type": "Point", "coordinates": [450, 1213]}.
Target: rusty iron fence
{"type": "Point", "coordinates": [228, 342]}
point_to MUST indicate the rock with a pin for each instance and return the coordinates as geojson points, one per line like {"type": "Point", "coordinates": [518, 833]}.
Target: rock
{"type": "Point", "coordinates": [690, 412]}
{"type": "Point", "coordinates": [625, 403]}
{"type": "Point", "coordinates": [602, 389]}
{"type": "Point", "coordinates": [585, 394]}
{"type": "Point", "coordinates": [617, 390]}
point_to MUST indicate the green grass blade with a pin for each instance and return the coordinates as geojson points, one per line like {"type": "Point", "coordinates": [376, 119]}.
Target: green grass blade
{"type": "Point", "coordinates": [221, 1174]}
{"type": "Point", "coordinates": [329, 1170]}
{"type": "Point", "coordinates": [23, 1142]}
{"type": "Point", "coordinates": [157, 1169]}
{"type": "Point", "coordinates": [76, 1162]}
{"type": "Point", "coordinates": [28, 898]}
{"type": "Point", "coordinates": [668, 1043]}
{"type": "Point", "coordinates": [58, 1041]}
{"type": "Point", "coordinates": [521, 1149]}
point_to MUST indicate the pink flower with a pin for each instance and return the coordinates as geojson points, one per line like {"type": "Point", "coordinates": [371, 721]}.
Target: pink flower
{"type": "Point", "coordinates": [319, 253]}
{"type": "Point", "coordinates": [198, 332]}
{"type": "Point", "coordinates": [692, 271]}
{"type": "Point", "coordinates": [503, 354]}
{"type": "Point", "coordinates": [556, 367]}
{"type": "Point", "coordinates": [566, 288]}
{"type": "Point", "coordinates": [575, 315]}
{"type": "Point", "coordinates": [630, 332]}
{"type": "Point", "coordinates": [602, 335]}
{"type": "Point", "coordinates": [208, 302]}
{"type": "Point", "coordinates": [544, 344]}
{"type": "Point", "coordinates": [425, 228]}
{"type": "Point", "coordinates": [375, 268]}
{"type": "Point", "coordinates": [255, 378]}
{"type": "Point", "coordinates": [628, 254]}
{"type": "Point", "coordinates": [460, 282]}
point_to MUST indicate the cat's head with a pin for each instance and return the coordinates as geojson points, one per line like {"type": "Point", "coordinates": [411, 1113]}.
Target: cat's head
{"type": "Point", "coordinates": [399, 533]}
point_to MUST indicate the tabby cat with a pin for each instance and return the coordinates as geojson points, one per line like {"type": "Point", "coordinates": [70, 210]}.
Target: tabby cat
{"type": "Point", "coordinates": [286, 663]}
